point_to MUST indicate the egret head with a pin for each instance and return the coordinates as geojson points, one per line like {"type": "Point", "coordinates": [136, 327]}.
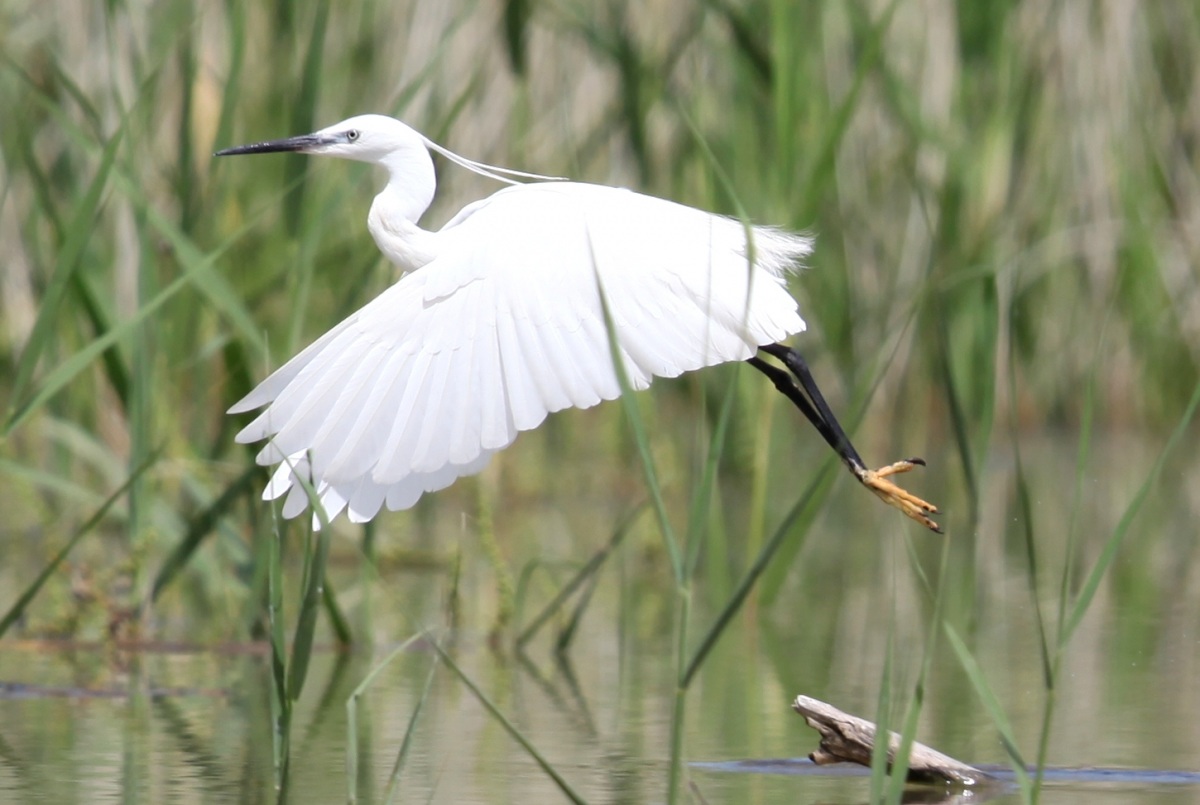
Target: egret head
{"type": "Point", "coordinates": [365, 138]}
{"type": "Point", "coordinates": [385, 141]}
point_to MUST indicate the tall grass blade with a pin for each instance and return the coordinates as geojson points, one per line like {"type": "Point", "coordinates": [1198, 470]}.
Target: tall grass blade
{"type": "Point", "coordinates": [678, 708]}
{"type": "Point", "coordinates": [200, 527]}
{"type": "Point", "coordinates": [115, 370]}
{"type": "Point", "coordinates": [756, 570]}
{"type": "Point", "coordinates": [141, 410]}
{"type": "Point", "coordinates": [908, 733]}
{"type": "Point", "coordinates": [517, 14]}
{"type": "Point", "coordinates": [757, 54]}
{"type": "Point", "coordinates": [958, 418]}
{"type": "Point", "coordinates": [1092, 583]}
{"type": "Point", "coordinates": [303, 120]}
{"type": "Point", "coordinates": [281, 703]}
{"type": "Point", "coordinates": [672, 544]}
{"type": "Point", "coordinates": [195, 262]}
{"type": "Point", "coordinates": [315, 558]}
{"type": "Point", "coordinates": [824, 160]}
{"type": "Point", "coordinates": [883, 722]}
{"type": "Point", "coordinates": [68, 369]}
{"type": "Point", "coordinates": [510, 728]}
{"type": "Point", "coordinates": [235, 43]}
{"type": "Point", "coordinates": [64, 488]}
{"type": "Point", "coordinates": [563, 641]}
{"type": "Point", "coordinates": [1066, 583]}
{"type": "Point", "coordinates": [81, 285]}
{"type": "Point", "coordinates": [698, 520]}
{"type": "Point", "coordinates": [185, 170]}
{"type": "Point", "coordinates": [352, 702]}
{"type": "Point", "coordinates": [775, 574]}
{"type": "Point", "coordinates": [313, 593]}
{"type": "Point", "coordinates": [991, 704]}
{"type": "Point", "coordinates": [198, 269]}
{"type": "Point", "coordinates": [79, 232]}
{"type": "Point", "coordinates": [409, 731]}
{"type": "Point", "coordinates": [29, 593]}
{"type": "Point", "coordinates": [78, 94]}
{"type": "Point", "coordinates": [337, 618]}
{"type": "Point", "coordinates": [330, 704]}
{"type": "Point", "coordinates": [581, 576]}
{"type": "Point", "coordinates": [1026, 506]}
{"type": "Point", "coordinates": [641, 439]}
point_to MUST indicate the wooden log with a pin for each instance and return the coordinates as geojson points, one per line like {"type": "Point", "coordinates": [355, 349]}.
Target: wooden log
{"type": "Point", "coordinates": [847, 738]}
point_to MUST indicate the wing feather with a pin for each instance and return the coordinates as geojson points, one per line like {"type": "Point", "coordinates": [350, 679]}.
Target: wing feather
{"type": "Point", "coordinates": [365, 501]}
{"type": "Point", "coordinates": [540, 345]}
{"type": "Point", "coordinates": [427, 434]}
{"type": "Point", "coordinates": [394, 463]}
{"type": "Point", "coordinates": [558, 336]}
{"type": "Point", "coordinates": [526, 403]}
{"type": "Point", "coordinates": [463, 423]}
{"type": "Point", "coordinates": [362, 446]}
{"type": "Point", "coordinates": [350, 410]}
{"type": "Point", "coordinates": [270, 389]}
{"type": "Point", "coordinates": [496, 429]}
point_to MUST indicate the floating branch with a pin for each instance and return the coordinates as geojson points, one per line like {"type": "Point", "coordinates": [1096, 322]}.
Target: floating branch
{"type": "Point", "coordinates": [849, 739]}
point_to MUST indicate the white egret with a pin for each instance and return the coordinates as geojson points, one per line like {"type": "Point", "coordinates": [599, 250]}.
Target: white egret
{"type": "Point", "coordinates": [498, 321]}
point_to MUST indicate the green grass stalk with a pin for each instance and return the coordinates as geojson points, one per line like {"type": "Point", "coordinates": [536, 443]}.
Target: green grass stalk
{"type": "Point", "coordinates": [509, 727]}
{"type": "Point", "coordinates": [89, 526]}
{"type": "Point", "coordinates": [352, 705]}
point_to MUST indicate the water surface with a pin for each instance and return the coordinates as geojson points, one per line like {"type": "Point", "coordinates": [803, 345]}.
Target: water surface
{"type": "Point", "coordinates": [190, 722]}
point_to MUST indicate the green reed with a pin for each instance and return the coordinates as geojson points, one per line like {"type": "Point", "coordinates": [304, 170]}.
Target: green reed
{"type": "Point", "coordinates": [987, 253]}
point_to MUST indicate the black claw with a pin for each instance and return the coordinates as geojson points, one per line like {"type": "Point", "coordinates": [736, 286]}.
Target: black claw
{"type": "Point", "coordinates": [920, 462]}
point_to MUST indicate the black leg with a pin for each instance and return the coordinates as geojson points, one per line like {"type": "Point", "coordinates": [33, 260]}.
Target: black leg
{"type": "Point", "coordinates": [784, 383]}
{"type": "Point", "coordinates": [801, 389]}
{"type": "Point", "coordinates": [813, 406]}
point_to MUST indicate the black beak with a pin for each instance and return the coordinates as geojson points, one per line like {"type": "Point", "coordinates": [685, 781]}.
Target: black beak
{"type": "Point", "coordinates": [301, 144]}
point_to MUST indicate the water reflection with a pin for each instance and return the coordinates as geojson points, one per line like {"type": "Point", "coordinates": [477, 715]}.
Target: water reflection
{"type": "Point", "coordinates": [103, 724]}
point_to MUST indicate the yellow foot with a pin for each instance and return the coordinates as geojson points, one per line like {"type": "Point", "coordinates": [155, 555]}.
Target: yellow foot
{"type": "Point", "coordinates": [916, 508]}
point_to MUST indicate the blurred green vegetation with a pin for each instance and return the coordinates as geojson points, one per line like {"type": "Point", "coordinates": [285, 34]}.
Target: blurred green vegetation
{"type": "Point", "coordinates": [1006, 197]}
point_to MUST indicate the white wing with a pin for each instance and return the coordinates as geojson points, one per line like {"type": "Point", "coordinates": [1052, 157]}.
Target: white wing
{"type": "Point", "coordinates": [422, 385]}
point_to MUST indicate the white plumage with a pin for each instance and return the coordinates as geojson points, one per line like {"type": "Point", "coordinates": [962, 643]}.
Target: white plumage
{"type": "Point", "coordinates": [498, 321]}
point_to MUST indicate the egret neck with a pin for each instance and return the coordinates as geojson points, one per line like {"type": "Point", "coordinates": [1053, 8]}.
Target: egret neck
{"type": "Point", "coordinates": [396, 210]}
